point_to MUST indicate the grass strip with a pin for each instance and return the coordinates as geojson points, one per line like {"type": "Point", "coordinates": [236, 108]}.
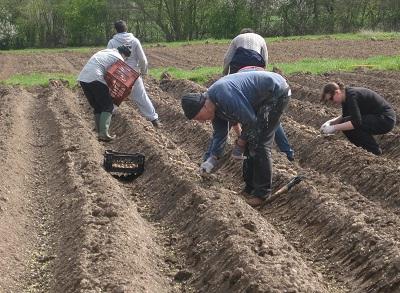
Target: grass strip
{"type": "Point", "coordinates": [313, 66]}
{"type": "Point", "coordinates": [35, 79]}
{"type": "Point", "coordinates": [202, 75]}
{"type": "Point", "coordinates": [362, 35]}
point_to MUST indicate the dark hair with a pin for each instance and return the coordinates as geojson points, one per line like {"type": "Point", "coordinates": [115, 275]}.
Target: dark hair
{"type": "Point", "coordinates": [120, 26]}
{"type": "Point", "coordinates": [246, 30]}
{"type": "Point", "coordinates": [124, 49]}
{"type": "Point", "coordinates": [330, 89]}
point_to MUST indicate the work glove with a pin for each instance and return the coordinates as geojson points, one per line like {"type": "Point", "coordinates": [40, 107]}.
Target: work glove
{"type": "Point", "coordinates": [328, 129]}
{"type": "Point", "coordinates": [208, 165]}
{"type": "Point", "coordinates": [327, 123]}
{"type": "Point", "coordinates": [115, 109]}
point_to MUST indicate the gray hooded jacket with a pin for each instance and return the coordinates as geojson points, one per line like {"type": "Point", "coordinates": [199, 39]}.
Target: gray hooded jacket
{"type": "Point", "coordinates": [137, 60]}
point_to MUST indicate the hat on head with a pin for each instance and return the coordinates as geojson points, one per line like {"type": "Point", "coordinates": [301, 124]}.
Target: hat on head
{"type": "Point", "coordinates": [124, 49]}
{"type": "Point", "coordinates": [192, 104]}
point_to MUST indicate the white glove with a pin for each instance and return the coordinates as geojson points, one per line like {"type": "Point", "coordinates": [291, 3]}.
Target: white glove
{"type": "Point", "coordinates": [208, 165]}
{"type": "Point", "coordinates": [115, 109]}
{"type": "Point", "coordinates": [328, 129]}
{"type": "Point", "coordinates": [327, 123]}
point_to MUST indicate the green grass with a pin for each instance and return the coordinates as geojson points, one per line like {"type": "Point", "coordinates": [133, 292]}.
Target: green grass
{"type": "Point", "coordinates": [363, 35]}
{"type": "Point", "coordinates": [315, 66]}
{"type": "Point", "coordinates": [34, 79]}
{"type": "Point", "coordinates": [203, 74]}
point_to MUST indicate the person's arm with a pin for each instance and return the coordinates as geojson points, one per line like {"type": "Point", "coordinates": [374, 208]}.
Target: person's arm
{"type": "Point", "coordinates": [110, 44]}
{"type": "Point", "coordinates": [265, 54]}
{"type": "Point", "coordinates": [218, 139]}
{"type": "Point", "coordinates": [143, 64]}
{"type": "Point", "coordinates": [344, 126]}
{"type": "Point", "coordinates": [354, 111]}
{"type": "Point", "coordinates": [335, 120]}
{"type": "Point", "coordinates": [228, 57]}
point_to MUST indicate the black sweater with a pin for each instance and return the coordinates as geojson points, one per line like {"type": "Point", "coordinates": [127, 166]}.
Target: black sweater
{"type": "Point", "coordinates": [362, 101]}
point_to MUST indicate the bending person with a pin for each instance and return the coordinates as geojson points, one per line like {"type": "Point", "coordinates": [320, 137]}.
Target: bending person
{"type": "Point", "coordinates": [95, 88]}
{"type": "Point", "coordinates": [364, 114]}
{"type": "Point", "coordinates": [256, 100]}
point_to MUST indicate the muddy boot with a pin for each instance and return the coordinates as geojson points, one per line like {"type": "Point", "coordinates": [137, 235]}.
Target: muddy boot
{"type": "Point", "coordinates": [104, 126]}
{"type": "Point", "coordinates": [97, 122]}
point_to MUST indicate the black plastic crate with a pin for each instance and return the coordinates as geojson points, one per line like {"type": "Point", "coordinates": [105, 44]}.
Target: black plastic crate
{"type": "Point", "coordinates": [132, 164]}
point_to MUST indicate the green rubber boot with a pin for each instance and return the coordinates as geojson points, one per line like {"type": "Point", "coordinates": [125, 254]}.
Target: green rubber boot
{"type": "Point", "coordinates": [104, 126]}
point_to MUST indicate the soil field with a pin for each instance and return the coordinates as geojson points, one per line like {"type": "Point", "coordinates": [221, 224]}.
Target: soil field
{"type": "Point", "coordinates": [67, 225]}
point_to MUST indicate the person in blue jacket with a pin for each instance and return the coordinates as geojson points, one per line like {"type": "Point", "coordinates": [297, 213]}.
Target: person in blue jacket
{"type": "Point", "coordinates": [256, 100]}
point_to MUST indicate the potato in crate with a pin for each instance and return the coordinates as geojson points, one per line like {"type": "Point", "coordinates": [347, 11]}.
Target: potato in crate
{"type": "Point", "coordinates": [123, 166]}
{"type": "Point", "coordinates": [120, 78]}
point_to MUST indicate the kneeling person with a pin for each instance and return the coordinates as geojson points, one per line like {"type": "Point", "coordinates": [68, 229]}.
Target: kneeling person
{"type": "Point", "coordinates": [364, 113]}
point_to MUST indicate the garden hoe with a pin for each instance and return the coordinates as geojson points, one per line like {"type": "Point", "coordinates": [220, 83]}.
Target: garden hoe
{"type": "Point", "coordinates": [294, 181]}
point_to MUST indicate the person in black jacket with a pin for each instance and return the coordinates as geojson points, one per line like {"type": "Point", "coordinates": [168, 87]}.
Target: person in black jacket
{"type": "Point", "coordinates": [364, 114]}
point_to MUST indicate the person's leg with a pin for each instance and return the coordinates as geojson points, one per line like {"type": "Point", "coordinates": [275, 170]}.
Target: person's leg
{"type": "Point", "coordinates": [140, 97]}
{"type": "Point", "coordinates": [282, 142]}
{"type": "Point", "coordinates": [372, 125]}
{"type": "Point", "coordinates": [247, 172]}
{"type": "Point", "coordinates": [377, 124]}
{"type": "Point", "coordinates": [363, 139]}
{"type": "Point", "coordinates": [89, 89]}
{"type": "Point", "coordinates": [262, 164]}
{"type": "Point", "coordinates": [104, 101]}
{"type": "Point", "coordinates": [268, 119]}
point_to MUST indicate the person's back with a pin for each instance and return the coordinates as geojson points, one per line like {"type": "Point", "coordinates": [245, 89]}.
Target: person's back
{"type": "Point", "coordinates": [252, 44]}
{"type": "Point", "coordinates": [97, 65]}
{"type": "Point", "coordinates": [250, 41]}
{"type": "Point", "coordinates": [368, 102]}
{"type": "Point", "coordinates": [137, 60]}
{"type": "Point", "coordinates": [253, 86]}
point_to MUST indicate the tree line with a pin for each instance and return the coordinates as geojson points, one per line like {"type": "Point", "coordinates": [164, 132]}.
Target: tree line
{"type": "Point", "coordinates": [61, 23]}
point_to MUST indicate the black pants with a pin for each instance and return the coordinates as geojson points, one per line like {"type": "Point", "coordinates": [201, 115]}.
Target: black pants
{"type": "Point", "coordinates": [98, 96]}
{"type": "Point", "coordinates": [371, 125]}
{"type": "Point", "coordinates": [257, 168]}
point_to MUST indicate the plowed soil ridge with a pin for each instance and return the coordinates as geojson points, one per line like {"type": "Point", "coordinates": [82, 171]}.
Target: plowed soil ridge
{"type": "Point", "coordinates": [347, 234]}
{"type": "Point", "coordinates": [221, 247]}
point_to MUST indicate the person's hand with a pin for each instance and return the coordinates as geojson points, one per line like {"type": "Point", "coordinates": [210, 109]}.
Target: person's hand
{"type": "Point", "coordinates": [208, 165]}
{"type": "Point", "coordinates": [327, 123]}
{"type": "Point", "coordinates": [238, 150]}
{"type": "Point", "coordinates": [328, 129]}
{"type": "Point", "coordinates": [115, 109]}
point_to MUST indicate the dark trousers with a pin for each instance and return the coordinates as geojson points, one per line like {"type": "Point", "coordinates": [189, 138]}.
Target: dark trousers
{"type": "Point", "coordinates": [257, 168]}
{"type": "Point", "coordinates": [371, 125]}
{"type": "Point", "coordinates": [98, 96]}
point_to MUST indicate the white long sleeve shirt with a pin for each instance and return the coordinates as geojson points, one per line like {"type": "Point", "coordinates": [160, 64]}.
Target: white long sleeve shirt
{"type": "Point", "coordinates": [250, 41]}
{"type": "Point", "coordinates": [137, 60]}
{"type": "Point", "coordinates": [96, 67]}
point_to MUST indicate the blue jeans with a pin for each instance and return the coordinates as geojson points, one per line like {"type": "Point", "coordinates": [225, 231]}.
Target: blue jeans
{"type": "Point", "coordinates": [282, 142]}
{"type": "Point", "coordinates": [217, 144]}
